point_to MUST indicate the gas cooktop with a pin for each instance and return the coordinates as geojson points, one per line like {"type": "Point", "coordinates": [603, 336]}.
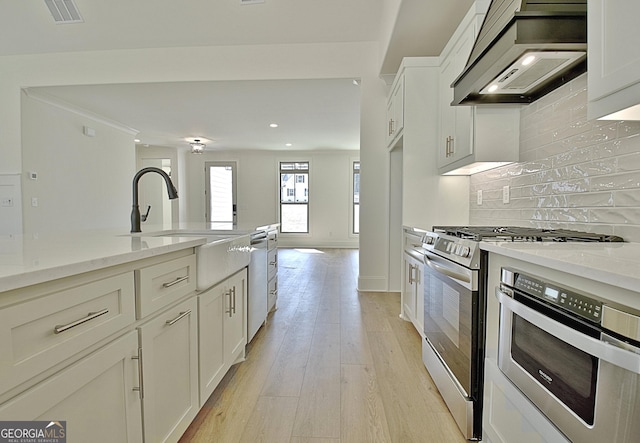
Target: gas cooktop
{"type": "Point", "coordinates": [515, 233]}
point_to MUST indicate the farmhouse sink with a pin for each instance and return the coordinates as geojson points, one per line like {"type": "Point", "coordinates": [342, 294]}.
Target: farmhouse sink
{"type": "Point", "coordinates": [220, 257]}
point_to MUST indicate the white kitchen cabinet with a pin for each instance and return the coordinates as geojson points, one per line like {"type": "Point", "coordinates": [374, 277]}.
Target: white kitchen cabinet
{"type": "Point", "coordinates": [54, 325]}
{"type": "Point", "coordinates": [164, 283]}
{"type": "Point", "coordinates": [222, 330]}
{"type": "Point", "coordinates": [395, 112]}
{"type": "Point", "coordinates": [455, 121]}
{"type": "Point", "coordinates": [509, 416]}
{"type": "Point", "coordinates": [412, 292]}
{"type": "Point", "coordinates": [96, 396]}
{"type": "Point", "coordinates": [235, 327]}
{"type": "Point", "coordinates": [613, 60]}
{"type": "Point", "coordinates": [472, 138]}
{"type": "Point", "coordinates": [169, 344]}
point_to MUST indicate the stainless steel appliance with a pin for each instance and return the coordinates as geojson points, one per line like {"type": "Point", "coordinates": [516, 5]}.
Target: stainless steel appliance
{"type": "Point", "coordinates": [575, 356]}
{"type": "Point", "coordinates": [455, 294]}
{"type": "Point", "coordinates": [257, 295]}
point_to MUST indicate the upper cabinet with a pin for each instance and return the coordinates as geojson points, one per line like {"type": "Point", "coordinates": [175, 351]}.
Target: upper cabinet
{"type": "Point", "coordinates": [455, 121]}
{"type": "Point", "coordinates": [395, 112]}
{"type": "Point", "coordinates": [613, 60]}
{"type": "Point", "coordinates": [472, 138]}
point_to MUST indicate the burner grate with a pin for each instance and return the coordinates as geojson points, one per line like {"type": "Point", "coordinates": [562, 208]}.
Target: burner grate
{"type": "Point", "coordinates": [522, 234]}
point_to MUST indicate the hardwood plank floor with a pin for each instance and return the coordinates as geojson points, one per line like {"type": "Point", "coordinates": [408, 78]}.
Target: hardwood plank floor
{"type": "Point", "coordinates": [331, 365]}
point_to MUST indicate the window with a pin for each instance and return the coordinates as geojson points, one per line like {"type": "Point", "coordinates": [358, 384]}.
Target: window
{"type": "Point", "coordinates": [221, 192]}
{"type": "Point", "coordinates": [294, 197]}
{"type": "Point", "coordinates": [356, 197]}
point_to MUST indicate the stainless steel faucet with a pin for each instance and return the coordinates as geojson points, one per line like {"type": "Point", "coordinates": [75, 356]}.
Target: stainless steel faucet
{"type": "Point", "coordinates": [135, 209]}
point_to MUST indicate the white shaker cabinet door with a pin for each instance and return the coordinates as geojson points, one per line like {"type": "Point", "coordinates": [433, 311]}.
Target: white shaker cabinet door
{"type": "Point", "coordinates": [97, 396]}
{"type": "Point", "coordinates": [613, 57]}
{"type": "Point", "coordinates": [169, 345]}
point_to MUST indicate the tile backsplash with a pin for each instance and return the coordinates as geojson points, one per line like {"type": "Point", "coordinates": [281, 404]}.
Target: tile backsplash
{"type": "Point", "coordinates": [573, 173]}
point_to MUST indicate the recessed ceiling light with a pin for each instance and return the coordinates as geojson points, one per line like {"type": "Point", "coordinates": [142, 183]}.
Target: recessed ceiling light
{"type": "Point", "coordinates": [136, 140]}
{"type": "Point", "coordinates": [288, 144]}
{"type": "Point", "coordinates": [273, 125]}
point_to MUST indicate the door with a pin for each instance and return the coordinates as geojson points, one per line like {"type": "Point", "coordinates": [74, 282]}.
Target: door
{"type": "Point", "coordinates": [220, 192]}
{"type": "Point", "coordinates": [169, 345]}
{"type": "Point", "coordinates": [96, 396]}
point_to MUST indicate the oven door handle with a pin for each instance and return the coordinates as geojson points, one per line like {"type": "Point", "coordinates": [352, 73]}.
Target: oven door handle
{"type": "Point", "coordinates": [446, 270]}
{"type": "Point", "coordinates": [615, 355]}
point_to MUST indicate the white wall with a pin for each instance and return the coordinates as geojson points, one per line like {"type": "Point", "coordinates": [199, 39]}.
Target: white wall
{"type": "Point", "coordinates": [259, 62]}
{"type": "Point", "coordinates": [258, 192]}
{"type": "Point", "coordinates": [83, 182]}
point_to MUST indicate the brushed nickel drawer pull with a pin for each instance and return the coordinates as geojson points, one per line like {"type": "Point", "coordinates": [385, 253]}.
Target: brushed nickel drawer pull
{"type": "Point", "coordinates": [233, 306]}
{"type": "Point", "coordinates": [176, 281]}
{"type": "Point", "coordinates": [140, 388]}
{"type": "Point", "coordinates": [90, 316]}
{"type": "Point", "coordinates": [178, 318]}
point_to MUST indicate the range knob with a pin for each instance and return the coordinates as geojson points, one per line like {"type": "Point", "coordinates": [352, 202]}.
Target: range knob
{"type": "Point", "coordinates": [465, 251]}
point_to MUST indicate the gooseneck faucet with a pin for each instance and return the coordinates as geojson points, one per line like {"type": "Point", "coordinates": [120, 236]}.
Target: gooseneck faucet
{"type": "Point", "coordinates": [135, 209]}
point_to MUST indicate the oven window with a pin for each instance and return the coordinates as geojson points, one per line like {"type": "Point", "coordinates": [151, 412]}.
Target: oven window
{"type": "Point", "coordinates": [567, 372]}
{"type": "Point", "coordinates": [448, 323]}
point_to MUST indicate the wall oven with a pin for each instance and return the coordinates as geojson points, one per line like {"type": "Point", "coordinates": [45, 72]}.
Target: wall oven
{"type": "Point", "coordinates": [574, 356]}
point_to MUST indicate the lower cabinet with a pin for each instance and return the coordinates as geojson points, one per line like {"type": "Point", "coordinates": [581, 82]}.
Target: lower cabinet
{"type": "Point", "coordinates": [169, 348]}
{"type": "Point", "coordinates": [222, 331]}
{"type": "Point", "coordinates": [96, 396]}
{"type": "Point", "coordinates": [412, 292]}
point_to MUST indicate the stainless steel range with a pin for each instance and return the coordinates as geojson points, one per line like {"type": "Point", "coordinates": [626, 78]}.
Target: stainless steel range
{"type": "Point", "coordinates": [455, 294]}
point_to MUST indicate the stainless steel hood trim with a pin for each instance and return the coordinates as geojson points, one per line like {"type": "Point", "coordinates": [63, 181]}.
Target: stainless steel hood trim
{"type": "Point", "coordinates": [526, 31]}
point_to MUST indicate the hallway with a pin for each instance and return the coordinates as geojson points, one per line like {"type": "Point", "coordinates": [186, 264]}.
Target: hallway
{"type": "Point", "coordinates": [330, 365]}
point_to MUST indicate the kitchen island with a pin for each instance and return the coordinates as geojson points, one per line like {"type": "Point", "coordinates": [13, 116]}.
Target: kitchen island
{"type": "Point", "coordinates": [108, 331]}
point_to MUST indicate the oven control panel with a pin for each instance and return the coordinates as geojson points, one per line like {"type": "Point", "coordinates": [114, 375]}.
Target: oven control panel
{"type": "Point", "coordinates": [573, 301]}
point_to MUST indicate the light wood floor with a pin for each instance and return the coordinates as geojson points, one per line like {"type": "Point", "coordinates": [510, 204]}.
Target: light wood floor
{"type": "Point", "coordinates": [330, 365]}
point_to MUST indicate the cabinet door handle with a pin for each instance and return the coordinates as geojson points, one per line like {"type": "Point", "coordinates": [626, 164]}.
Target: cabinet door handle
{"type": "Point", "coordinates": [273, 263]}
{"type": "Point", "coordinates": [178, 318]}
{"type": "Point", "coordinates": [175, 282]}
{"type": "Point", "coordinates": [274, 292]}
{"type": "Point", "coordinates": [410, 274]}
{"type": "Point", "coordinates": [233, 306]}
{"type": "Point", "coordinates": [452, 146]}
{"type": "Point", "coordinates": [90, 316]}
{"type": "Point", "coordinates": [230, 311]}
{"type": "Point", "coordinates": [140, 387]}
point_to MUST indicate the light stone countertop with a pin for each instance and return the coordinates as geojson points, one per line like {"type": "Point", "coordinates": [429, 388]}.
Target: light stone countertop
{"type": "Point", "coordinates": [31, 259]}
{"type": "Point", "coordinates": [25, 260]}
{"type": "Point", "coordinates": [616, 264]}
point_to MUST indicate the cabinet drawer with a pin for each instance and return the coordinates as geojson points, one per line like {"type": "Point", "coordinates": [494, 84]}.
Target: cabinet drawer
{"type": "Point", "coordinates": [272, 264]}
{"type": "Point", "coordinates": [43, 332]}
{"type": "Point", "coordinates": [161, 284]}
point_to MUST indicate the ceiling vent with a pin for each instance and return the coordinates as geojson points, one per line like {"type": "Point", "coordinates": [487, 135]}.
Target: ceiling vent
{"type": "Point", "coordinates": [64, 11]}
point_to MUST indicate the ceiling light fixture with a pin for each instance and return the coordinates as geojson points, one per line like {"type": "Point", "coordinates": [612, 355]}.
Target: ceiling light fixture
{"type": "Point", "coordinates": [197, 147]}
{"type": "Point", "coordinates": [273, 125]}
{"type": "Point", "coordinates": [288, 144]}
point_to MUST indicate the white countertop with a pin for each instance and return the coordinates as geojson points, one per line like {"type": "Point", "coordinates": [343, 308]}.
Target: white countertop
{"type": "Point", "coordinates": [617, 264]}
{"type": "Point", "coordinates": [27, 259]}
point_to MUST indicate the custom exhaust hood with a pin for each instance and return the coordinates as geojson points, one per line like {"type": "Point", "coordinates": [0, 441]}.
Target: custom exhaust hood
{"type": "Point", "coordinates": [524, 50]}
